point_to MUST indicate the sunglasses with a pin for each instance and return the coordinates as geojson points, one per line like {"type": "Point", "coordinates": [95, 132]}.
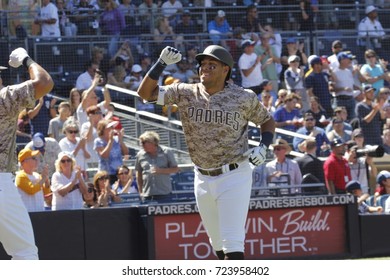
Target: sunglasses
{"type": "Point", "coordinates": [309, 119]}
{"type": "Point", "coordinates": [73, 131]}
{"type": "Point", "coordinates": [337, 122]}
{"type": "Point", "coordinates": [124, 173]}
{"type": "Point", "coordinates": [279, 148]}
{"type": "Point", "coordinates": [103, 178]}
{"type": "Point", "coordinates": [33, 158]}
{"type": "Point", "coordinates": [96, 113]}
{"type": "Point", "coordinates": [144, 142]}
{"type": "Point", "coordinates": [370, 56]}
{"type": "Point", "coordinates": [90, 190]}
{"type": "Point", "coordinates": [66, 160]}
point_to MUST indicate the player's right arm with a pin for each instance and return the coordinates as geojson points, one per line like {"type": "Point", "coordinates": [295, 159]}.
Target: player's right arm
{"type": "Point", "coordinates": [148, 88]}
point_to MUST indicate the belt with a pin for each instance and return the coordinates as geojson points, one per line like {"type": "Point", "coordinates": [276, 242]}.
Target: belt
{"type": "Point", "coordinates": [344, 97]}
{"type": "Point", "coordinates": [218, 171]}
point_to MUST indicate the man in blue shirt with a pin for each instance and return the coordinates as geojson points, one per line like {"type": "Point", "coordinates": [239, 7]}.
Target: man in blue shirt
{"type": "Point", "coordinates": [219, 29]}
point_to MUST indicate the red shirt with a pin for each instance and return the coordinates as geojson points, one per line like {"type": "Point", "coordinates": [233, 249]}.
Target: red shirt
{"type": "Point", "coordinates": [336, 170]}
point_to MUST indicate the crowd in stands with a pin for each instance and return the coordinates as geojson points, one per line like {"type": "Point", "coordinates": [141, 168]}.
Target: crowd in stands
{"type": "Point", "coordinates": [337, 103]}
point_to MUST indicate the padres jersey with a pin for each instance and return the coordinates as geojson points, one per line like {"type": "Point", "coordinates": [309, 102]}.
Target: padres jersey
{"type": "Point", "coordinates": [215, 126]}
{"type": "Point", "coordinates": [13, 99]}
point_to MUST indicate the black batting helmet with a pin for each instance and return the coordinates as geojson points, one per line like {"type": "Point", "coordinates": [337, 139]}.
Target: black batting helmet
{"type": "Point", "coordinates": [219, 53]}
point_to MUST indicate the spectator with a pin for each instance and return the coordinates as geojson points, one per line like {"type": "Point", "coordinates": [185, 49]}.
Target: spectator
{"type": "Point", "coordinates": [31, 185]}
{"type": "Point", "coordinates": [56, 124]}
{"type": "Point", "coordinates": [354, 188]}
{"type": "Point", "coordinates": [259, 180]}
{"type": "Point", "coordinates": [171, 10]}
{"type": "Point", "coordinates": [344, 85]}
{"type": "Point", "coordinates": [147, 10]}
{"type": "Point", "coordinates": [105, 195]}
{"type": "Point", "coordinates": [287, 116]}
{"type": "Point", "coordinates": [251, 23]}
{"type": "Point", "coordinates": [129, 11]}
{"type": "Point", "coordinates": [184, 73]}
{"type": "Point", "coordinates": [76, 146]}
{"type": "Point", "coordinates": [111, 23]}
{"type": "Point", "coordinates": [125, 54]}
{"type": "Point", "coordinates": [382, 179]}
{"type": "Point", "coordinates": [145, 62]}
{"type": "Point", "coordinates": [74, 101]}
{"type": "Point", "coordinates": [267, 87]}
{"type": "Point", "coordinates": [48, 20]}
{"type": "Point", "coordinates": [186, 30]}
{"type": "Point", "coordinates": [42, 113]}
{"type": "Point", "coordinates": [68, 184]}
{"type": "Point", "coordinates": [153, 166]}
{"type": "Point", "coordinates": [337, 47]}
{"type": "Point", "coordinates": [250, 66]}
{"type": "Point", "coordinates": [282, 93]}
{"type": "Point", "coordinates": [293, 78]}
{"type": "Point", "coordinates": [118, 78]}
{"type": "Point", "coordinates": [84, 80]}
{"type": "Point", "coordinates": [336, 169]}
{"type": "Point", "coordinates": [219, 30]}
{"type": "Point", "coordinates": [90, 197]}
{"type": "Point", "coordinates": [85, 17]}
{"type": "Point", "coordinates": [266, 99]}
{"type": "Point", "coordinates": [386, 140]}
{"type": "Point", "coordinates": [309, 163]}
{"type": "Point", "coordinates": [269, 59]}
{"type": "Point", "coordinates": [67, 27]}
{"type": "Point", "coordinates": [292, 47]}
{"type": "Point", "coordinates": [340, 113]}
{"type": "Point", "coordinates": [310, 129]}
{"type": "Point", "coordinates": [369, 117]}
{"type": "Point", "coordinates": [191, 52]}
{"type": "Point", "coordinates": [362, 168]}
{"type": "Point", "coordinates": [125, 182]}
{"type": "Point", "coordinates": [88, 131]}
{"type": "Point", "coordinates": [135, 78]}
{"type": "Point", "coordinates": [98, 56]}
{"type": "Point", "coordinates": [283, 171]}
{"type": "Point", "coordinates": [110, 148]}
{"type": "Point", "coordinates": [375, 71]}
{"type": "Point", "coordinates": [317, 84]}
{"type": "Point", "coordinates": [370, 30]}
{"type": "Point", "coordinates": [319, 114]}
{"type": "Point", "coordinates": [90, 98]}
{"type": "Point", "coordinates": [358, 137]}
{"type": "Point", "coordinates": [163, 35]}
{"type": "Point", "coordinates": [49, 150]}
{"type": "Point", "coordinates": [338, 130]}
{"type": "Point", "coordinates": [308, 13]}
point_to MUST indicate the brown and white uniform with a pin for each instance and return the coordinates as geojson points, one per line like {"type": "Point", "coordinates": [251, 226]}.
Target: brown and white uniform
{"type": "Point", "coordinates": [216, 132]}
{"type": "Point", "coordinates": [16, 233]}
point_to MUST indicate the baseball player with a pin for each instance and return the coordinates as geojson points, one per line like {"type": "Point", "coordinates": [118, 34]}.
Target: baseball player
{"type": "Point", "coordinates": [215, 116]}
{"type": "Point", "coordinates": [16, 233]}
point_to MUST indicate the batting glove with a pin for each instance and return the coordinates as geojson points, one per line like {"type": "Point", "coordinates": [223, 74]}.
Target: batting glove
{"type": "Point", "coordinates": [17, 57]}
{"type": "Point", "coordinates": [170, 55]}
{"type": "Point", "coordinates": [258, 155]}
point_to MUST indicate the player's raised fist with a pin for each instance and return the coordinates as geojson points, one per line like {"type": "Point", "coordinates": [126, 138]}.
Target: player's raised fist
{"type": "Point", "coordinates": [258, 155]}
{"type": "Point", "coordinates": [16, 57]}
{"type": "Point", "coordinates": [170, 55]}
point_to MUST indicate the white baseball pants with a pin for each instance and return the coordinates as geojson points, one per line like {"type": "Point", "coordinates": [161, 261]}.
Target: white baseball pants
{"type": "Point", "coordinates": [223, 203]}
{"type": "Point", "coordinates": [16, 232]}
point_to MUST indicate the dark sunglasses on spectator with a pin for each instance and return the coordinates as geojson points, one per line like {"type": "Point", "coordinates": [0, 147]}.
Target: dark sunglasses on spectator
{"type": "Point", "coordinates": [73, 131]}
{"type": "Point", "coordinates": [370, 56]}
{"type": "Point", "coordinates": [103, 178]}
{"type": "Point", "coordinates": [309, 119]}
{"type": "Point", "coordinates": [96, 113]}
{"type": "Point", "coordinates": [90, 190]}
{"type": "Point", "coordinates": [278, 148]}
{"type": "Point", "coordinates": [125, 172]}
{"type": "Point", "coordinates": [66, 160]}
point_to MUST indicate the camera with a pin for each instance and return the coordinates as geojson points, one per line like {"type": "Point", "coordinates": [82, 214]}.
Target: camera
{"type": "Point", "coordinates": [371, 151]}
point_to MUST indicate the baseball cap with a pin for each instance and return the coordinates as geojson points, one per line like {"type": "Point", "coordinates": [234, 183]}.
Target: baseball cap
{"type": "Point", "coordinates": [324, 59]}
{"type": "Point", "coordinates": [337, 43]}
{"type": "Point", "coordinates": [314, 59]}
{"type": "Point", "coordinates": [291, 40]}
{"type": "Point", "coordinates": [368, 87]}
{"type": "Point", "coordinates": [265, 82]}
{"type": "Point", "coordinates": [65, 154]}
{"type": "Point", "coordinates": [39, 141]}
{"type": "Point", "coordinates": [145, 55]}
{"type": "Point", "coordinates": [186, 12]}
{"type": "Point", "coordinates": [221, 13]}
{"type": "Point", "coordinates": [344, 55]}
{"type": "Point", "coordinates": [352, 185]}
{"type": "Point", "coordinates": [357, 132]}
{"type": "Point", "coordinates": [247, 42]}
{"type": "Point", "coordinates": [370, 9]}
{"type": "Point", "coordinates": [383, 175]}
{"type": "Point", "coordinates": [337, 142]}
{"type": "Point", "coordinates": [293, 58]}
{"type": "Point", "coordinates": [26, 153]}
{"type": "Point", "coordinates": [136, 68]}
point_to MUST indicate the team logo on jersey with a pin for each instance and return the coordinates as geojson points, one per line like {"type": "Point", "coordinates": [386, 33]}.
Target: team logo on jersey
{"type": "Point", "coordinates": [202, 115]}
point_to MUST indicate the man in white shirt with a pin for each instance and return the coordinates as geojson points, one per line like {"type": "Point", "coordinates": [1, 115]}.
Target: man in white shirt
{"type": "Point", "coordinates": [48, 19]}
{"type": "Point", "coordinates": [250, 67]}
{"type": "Point", "coordinates": [370, 30]}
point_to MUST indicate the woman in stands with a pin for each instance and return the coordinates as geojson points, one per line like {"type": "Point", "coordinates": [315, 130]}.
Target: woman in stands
{"type": "Point", "coordinates": [74, 101]}
{"type": "Point", "coordinates": [110, 148]}
{"type": "Point", "coordinates": [105, 195]}
{"type": "Point", "coordinates": [125, 181]}
{"type": "Point", "coordinates": [67, 184]}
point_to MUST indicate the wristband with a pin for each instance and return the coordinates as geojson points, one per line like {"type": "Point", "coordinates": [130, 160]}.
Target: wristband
{"type": "Point", "coordinates": [156, 70]}
{"type": "Point", "coordinates": [27, 62]}
{"type": "Point", "coordinates": [267, 138]}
